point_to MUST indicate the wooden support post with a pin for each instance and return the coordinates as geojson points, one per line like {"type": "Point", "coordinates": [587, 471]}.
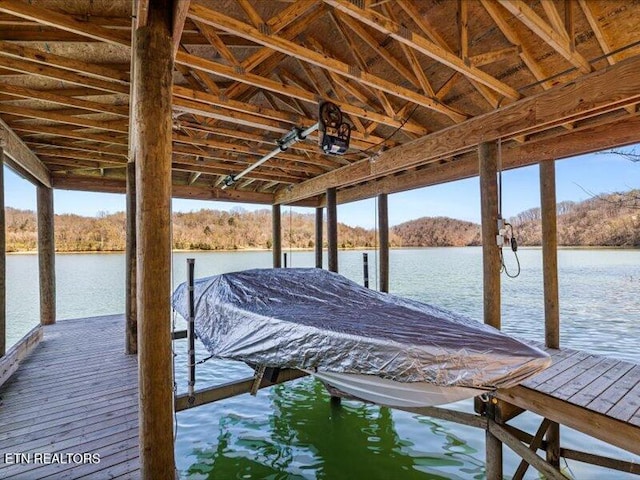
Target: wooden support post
{"type": "Point", "coordinates": [276, 234]}
{"type": "Point", "coordinates": [383, 232]}
{"type": "Point", "coordinates": [550, 254]}
{"type": "Point", "coordinates": [318, 245]}
{"type": "Point", "coordinates": [153, 58]}
{"type": "Point", "coordinates": [46, 256]}
{"type": "Point", "coordinates": [3, 262]}
{"type": "Point", "coordinates": [131, 341]}
{"type": "Point", "coordinates": [332, 229]}
{"type": "Point", "coordinates": [487, 153]}
{"type": "Point", "coordinates": [490, 252]}
{"type": "Point", "coordinates": [550, 275]}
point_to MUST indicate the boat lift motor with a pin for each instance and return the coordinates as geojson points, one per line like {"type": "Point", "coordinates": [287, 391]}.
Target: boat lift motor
{"type": "Point", "coordinates": [334, 133]}
{"type": "Point", "coordinates": [334, 138]}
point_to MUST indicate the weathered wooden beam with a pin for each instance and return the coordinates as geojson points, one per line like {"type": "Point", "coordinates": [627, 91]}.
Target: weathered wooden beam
{"type": "Point", "coordinates": [607, 429]}
{"type": "Point", "coordinates": [560, 43]}
{"type": "Point", "coordinates": [276, 236]}
{"type": "Point", "coordinates": [10, 361]}
{"type": "Point", "coordinates": [66, 100]}
{"type": "Point", "coordinates": [421, 44]}
{"type": "Point", "coordinates": [278, 87]}
{"type": "Point", "coordinates": [597, 93]}
{"type": "Point", "coordinates": [153, 57]}
{"type": "Point", "coordinates": [528, 455]}
{"type": "Point", "coordinates": [18, 154]}
{"type": "Point", "coordinates": [64, 22]}
{"type": "Point", "coordinates": [180, 10]}
{"type": "Point", "coordinates": [534, 445]}
{"type": "Point", "coordinates": [205, 15]}
{"type": "Point", "coordinates": [488, 157]}
{"type": "Point", "coordinates": [383, 232]}
{"type": "Point", "coordinates": [550, 253]}
{"type": "Point", "coordinates": [46, 255]}
{"type": "Point", "coordinates": [32, 113]}
{"type": "Point", "coordinates": [318, 236]}
{"type": "Point", "coordinates": [332, 230]}
{"type": "Point", "coordinates": [41, 57]}
{"type": "Point", "coordinates": [232, 389]}
{"type": "Point", "coordinates": [601, 461]}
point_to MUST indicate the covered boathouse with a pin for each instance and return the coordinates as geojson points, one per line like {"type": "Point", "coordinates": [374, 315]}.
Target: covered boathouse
{"type": "Point", "coordinates": [181, 98]}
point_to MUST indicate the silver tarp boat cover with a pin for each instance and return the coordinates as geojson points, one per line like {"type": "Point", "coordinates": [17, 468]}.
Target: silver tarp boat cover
{"type": "Point", "coordinates": [314, 319]}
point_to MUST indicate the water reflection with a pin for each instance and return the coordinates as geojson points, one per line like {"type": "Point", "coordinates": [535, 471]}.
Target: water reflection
{"type": "Point", "coordinates": [304, 436]}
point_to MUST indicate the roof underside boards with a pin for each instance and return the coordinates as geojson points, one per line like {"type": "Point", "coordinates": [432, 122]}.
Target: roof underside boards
{"type": "Point", "coordinates": [422, 83]}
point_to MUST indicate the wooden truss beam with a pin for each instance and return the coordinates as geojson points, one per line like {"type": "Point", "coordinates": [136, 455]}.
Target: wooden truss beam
{"type": "Point", "coordinates": [287, 90]}
{"type": "Point", "coordinates": [18, 155]}
{"type": "Point", "coordinates": [228, 24]}
{"type": "Point", "coordinates": [514, 155]}
{"type": "Point", "coordinates": [421, 44]}
{"type": "Point", "coordinates": [560, 43]}
{"type": "Point", "coordinates": [597, 93]}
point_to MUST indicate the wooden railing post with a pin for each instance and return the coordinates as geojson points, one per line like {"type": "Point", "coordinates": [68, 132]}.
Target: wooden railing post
{"type": "Point", "coordinates": [276, 236]}
{"type": "Point", "coordinates": [3, 261]}
{"type": "Point", "coordinates": [318, 243]}
{"type": "Point", "coordinates": [332, 230]}
{"type": "Point", "coordinates": [550, 274]}
{"type": "Point", "coordinates": [46, 255]}
{"type": "Point", "coordinates": [383, 232]}
{"type": "Point", "coordinates": [152, 128]}
{"type": "Point", "coordinates": [487, 153]}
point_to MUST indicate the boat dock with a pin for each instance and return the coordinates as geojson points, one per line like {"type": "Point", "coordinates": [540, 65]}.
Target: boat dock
{"type": "Point", "coordinates": [78, 392]}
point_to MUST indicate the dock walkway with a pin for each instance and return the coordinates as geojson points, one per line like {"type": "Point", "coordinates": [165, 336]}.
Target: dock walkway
{"type": "Point", "coordinates": [78, 393]}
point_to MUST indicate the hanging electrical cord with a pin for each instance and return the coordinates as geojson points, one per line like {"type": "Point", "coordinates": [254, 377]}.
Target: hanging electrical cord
{"type": "Point", "coordinates": [388, 137]}
{"type": "Point", "coordinates": [506, 232]}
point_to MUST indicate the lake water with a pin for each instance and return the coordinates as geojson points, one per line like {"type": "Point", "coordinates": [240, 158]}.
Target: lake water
{"type": "Point", "coordinates": [292, 431]}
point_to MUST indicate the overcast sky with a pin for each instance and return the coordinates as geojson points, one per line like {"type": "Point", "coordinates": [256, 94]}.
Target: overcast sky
{"type": "Point", "coordinates": [598, 173]}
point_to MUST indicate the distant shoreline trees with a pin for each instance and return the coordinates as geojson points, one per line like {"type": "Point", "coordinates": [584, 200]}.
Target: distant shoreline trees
{"type": "Point", "coordinates": [604, 220]}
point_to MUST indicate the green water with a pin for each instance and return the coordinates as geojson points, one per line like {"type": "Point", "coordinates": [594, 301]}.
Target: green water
{"type": "Point", "coordinates": [293, 431]}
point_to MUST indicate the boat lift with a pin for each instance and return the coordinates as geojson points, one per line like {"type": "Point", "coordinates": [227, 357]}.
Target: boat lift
{"type": "Point", "coordinates": [335, 136]}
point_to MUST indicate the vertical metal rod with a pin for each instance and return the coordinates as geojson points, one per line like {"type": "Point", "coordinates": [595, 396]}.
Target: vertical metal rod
{"type": "Point", "coordinates": [276, 234]}
{"type": "Point", "coordinates": [332, 230]}
{"type": "Point", "coordinates": [191, 335]}
{"type": "Point", "coordinates": [285, 260]}
{"type": "Point", "coordinates": [318, 244]}
{"type": "Point", "coordinates": [383, 232]}
{"type": "Point", "coordinates": [365, 269]}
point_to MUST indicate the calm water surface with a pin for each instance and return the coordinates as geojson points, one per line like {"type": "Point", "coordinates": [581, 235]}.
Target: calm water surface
{"type": "Point", "coordinates": [292, 432]}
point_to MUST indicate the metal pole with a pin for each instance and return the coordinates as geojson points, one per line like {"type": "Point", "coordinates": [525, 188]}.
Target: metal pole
{"type": "Point", "coordinates": [191, 329]}
{"type": "Point", "coordinates": [285, 260]}
{"type": "Point", "coordinates": [365, 268]}
{"type": "Point", "coordinates": [295, 136]}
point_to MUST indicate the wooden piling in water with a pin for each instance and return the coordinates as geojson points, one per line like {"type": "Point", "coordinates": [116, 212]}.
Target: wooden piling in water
{"type": "Point", "coordinates": [383, 233]}
{"type": "Point", "coordinates": [3, 262]}
{"type": "Point", "coordinates": [548, 209]}
{"type": "Point", "coordinates": [332, 230]}
{"type": "Point", "coordinates": [276, 235]}
{"type": "Point", "coordinates": [131, 328]}
{"type": "Point", "coordinates": [487, 155]}
{"type": "Point", "coordinates": [318, 244]}
{"type": "Point", "coordinates": [46, 255]}
{"type": "Point", "coordinates": [153, 129]}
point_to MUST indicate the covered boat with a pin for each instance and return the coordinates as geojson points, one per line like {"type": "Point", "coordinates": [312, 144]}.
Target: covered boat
{"type": "Point", "coordinates": [374, 346]}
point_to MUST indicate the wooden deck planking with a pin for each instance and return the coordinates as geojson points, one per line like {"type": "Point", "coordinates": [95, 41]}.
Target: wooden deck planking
{"type": "Point", "coordinates": [78, 392]}
{"type": "Point", "coordinates": [597, 395]}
